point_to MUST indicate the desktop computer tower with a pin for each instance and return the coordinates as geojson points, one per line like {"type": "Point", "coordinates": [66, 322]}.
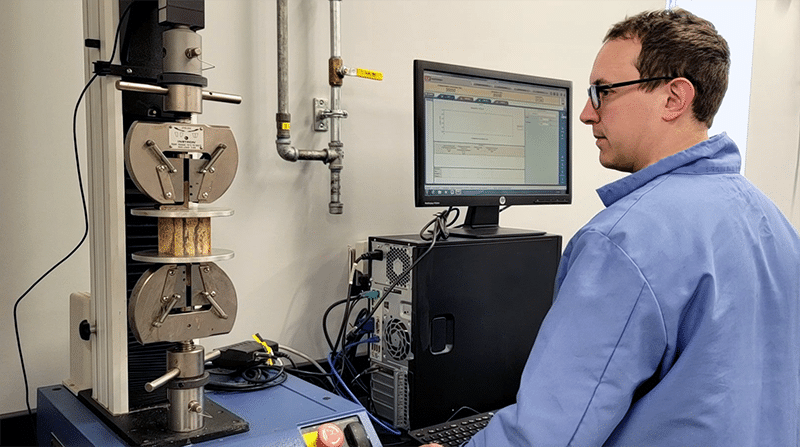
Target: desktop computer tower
{"type": "Point", "coordinates": [456, 332]}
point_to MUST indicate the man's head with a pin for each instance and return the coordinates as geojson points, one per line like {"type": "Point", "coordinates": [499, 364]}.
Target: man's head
{"type": "Point", "coordinates": [677, 43]}
{"type": "Point", "coordinates": [639, 123]}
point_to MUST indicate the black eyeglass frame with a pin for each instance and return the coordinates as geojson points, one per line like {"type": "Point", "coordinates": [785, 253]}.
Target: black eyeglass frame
{"type": "Point", "coordinates": [594, 90]}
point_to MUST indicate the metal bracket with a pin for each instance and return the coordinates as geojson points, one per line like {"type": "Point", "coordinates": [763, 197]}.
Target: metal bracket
{"type": "Point", "coordinates": [166, 183]}
{"type": "Point", "coordinates": [208, 291]}
{"type": "Point", "coordinates": [320, 119]}
{"type": "Point", "coordinates": [103, 68]}
{"type": "Point", "coordinates": [168, 297]}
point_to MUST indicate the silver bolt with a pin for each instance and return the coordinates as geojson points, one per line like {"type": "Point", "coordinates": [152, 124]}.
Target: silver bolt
{"type": "Point", "coordinates": [211, 169]}
{"type": "Point", "coordinates": [205, 195]}
{"type": "Point", "coordinates": [128, 70]}
{"type": "Point", "coordinates": [195, 407]}
{"type": "Point", "coordinates": [168, 195]}
{"type": "Point", "coordinates": [213, 293]}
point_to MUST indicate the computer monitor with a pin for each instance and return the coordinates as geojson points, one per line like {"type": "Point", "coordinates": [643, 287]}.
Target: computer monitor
{"type": "Point", "coordinates": [486, 139]}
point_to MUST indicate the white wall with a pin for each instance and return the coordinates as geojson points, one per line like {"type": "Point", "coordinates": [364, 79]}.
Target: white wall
{"type": "Point", "coordinates": [774, 127]}
{"type": "Point", "coordinates": [736, 22]}
{"type": "Point", "coordinates": [290, 253]}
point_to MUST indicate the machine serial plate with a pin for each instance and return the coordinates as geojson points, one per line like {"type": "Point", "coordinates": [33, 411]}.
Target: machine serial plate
{"type": "Point", "coordinates": [186, 137]}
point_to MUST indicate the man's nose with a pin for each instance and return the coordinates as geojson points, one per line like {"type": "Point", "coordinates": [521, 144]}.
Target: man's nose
{"type": "Point", "coordinates": [589, 114]}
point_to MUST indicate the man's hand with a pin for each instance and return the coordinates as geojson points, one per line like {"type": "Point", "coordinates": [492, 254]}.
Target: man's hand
{"type": "Point", "coordinates": [431, 445]}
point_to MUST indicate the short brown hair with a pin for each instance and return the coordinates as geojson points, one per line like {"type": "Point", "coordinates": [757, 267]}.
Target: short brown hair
{"type": "Point", "coordinates": [677, 43]}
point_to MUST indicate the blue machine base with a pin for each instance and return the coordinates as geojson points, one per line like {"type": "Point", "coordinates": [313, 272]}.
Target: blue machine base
{"type": "Point", "coordinates": [277, 416]}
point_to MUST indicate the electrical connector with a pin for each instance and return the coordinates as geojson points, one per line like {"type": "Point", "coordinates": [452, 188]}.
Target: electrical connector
{"type": "Point", "coordinates": [374, 255]}
{"type": "Point", "coordinates": [369, 326]}
{"type": "Point", "coordinates": [239, 355]}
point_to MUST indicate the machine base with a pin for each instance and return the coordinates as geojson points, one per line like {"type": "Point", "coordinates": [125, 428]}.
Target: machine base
{"type": "Point", "coordinates": [148, 427]}
{"type": "Point", "coordinates": [285, 415]}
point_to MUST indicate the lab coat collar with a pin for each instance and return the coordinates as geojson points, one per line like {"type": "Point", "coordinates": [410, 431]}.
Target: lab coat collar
{"type": "Point", "coordinates": [717, 155]}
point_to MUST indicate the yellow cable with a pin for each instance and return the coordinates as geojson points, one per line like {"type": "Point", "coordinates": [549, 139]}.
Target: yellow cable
{"type": "Point", "coordinates": [266, 346]}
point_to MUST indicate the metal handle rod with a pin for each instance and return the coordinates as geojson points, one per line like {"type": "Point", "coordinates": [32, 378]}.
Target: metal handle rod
{"type": "Point", "coordinates": [212, 355]}
{"type": "Point", "coordinates": [161, 381]}
{"type": "Point", "coordinates": [221, 97]}
{"type": "Point", "coordinates": [149, 88]}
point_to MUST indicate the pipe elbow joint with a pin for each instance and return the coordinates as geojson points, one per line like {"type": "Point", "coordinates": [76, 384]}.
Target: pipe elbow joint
{"type": "Point", "coordinates": [285, 149]}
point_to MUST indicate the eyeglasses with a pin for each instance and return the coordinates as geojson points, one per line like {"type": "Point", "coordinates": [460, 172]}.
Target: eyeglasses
{"type": "Point", "coordinates": [594, 90]}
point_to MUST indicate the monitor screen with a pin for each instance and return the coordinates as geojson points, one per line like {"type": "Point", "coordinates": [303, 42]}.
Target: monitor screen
{"type": "Point", "coordinates": [486, 139]}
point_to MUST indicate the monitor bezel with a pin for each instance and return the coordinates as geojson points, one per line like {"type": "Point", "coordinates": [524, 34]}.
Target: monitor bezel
{"type": "Point", "coordinates": [538, 198]}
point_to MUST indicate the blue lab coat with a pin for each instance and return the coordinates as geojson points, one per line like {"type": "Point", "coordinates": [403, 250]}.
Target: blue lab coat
{"type": "Point", "coordinates": [676, 320]}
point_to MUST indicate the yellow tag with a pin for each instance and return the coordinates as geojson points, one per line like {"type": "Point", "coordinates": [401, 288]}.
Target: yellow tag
{"type": "Point", "coordinates": [286, 126]}
{"type": "Point", "coordinates": [369, 74]}
{"type": "Point", "coordinates": [310, 439]}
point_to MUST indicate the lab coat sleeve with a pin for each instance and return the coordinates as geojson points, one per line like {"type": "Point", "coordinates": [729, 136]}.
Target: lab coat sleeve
{"type": "Point", "coordinates": [603, 337]}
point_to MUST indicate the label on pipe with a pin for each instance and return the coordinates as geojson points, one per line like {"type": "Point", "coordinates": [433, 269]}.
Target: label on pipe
{"type": "Point", "coordinates": [369, 74]}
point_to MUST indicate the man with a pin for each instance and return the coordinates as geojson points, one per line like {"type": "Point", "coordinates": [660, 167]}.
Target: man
{"type": "Point", "coordinates": [676, 320]}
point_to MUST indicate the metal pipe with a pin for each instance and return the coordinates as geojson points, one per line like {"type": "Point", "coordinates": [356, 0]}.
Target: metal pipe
{"type": "Point", "coordinates": [283, 118]}
{"type": "Point", "coordinates": [283, 57]}
{"type": "Point", "coordinates": [333, 154]}
{"type": "Point", "coordinates": [336, 147]}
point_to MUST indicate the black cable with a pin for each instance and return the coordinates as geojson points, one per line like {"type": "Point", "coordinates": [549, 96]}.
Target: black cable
{"type": "Point", "coordinates": [252, 378]}
{"type": "Point", "coordinates": [85, 217]}
{"type": "Point", "coordinates": [325, 321]}
{"type": "Point", "coordinates": [440, 224]}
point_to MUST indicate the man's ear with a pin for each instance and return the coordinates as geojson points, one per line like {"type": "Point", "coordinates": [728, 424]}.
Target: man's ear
{"type": "Point", "coordinates": [680, 95]}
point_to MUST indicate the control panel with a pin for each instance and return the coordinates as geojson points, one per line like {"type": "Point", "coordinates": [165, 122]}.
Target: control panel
{"type": "Point", "coordinates": [347, 432]}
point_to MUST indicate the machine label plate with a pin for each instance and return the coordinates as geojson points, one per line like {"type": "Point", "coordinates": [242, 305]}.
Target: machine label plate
{"type": "Point", "coordinates": [186, 137]}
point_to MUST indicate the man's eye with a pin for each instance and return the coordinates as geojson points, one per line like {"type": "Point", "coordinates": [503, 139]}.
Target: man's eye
{"type": "Point", "coordinates": [605, 93]}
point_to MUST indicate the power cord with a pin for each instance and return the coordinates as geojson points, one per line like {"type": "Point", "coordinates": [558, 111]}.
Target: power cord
{"type": "Point", "coordinates": [85, 217]}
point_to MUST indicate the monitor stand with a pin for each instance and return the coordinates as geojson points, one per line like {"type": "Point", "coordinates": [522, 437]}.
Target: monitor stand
{"type": "Point", "coordinates": [482, 222]}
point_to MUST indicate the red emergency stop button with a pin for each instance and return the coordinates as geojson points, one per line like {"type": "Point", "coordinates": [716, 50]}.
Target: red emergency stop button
{"type": "Point", "coordinates": [330, 435]}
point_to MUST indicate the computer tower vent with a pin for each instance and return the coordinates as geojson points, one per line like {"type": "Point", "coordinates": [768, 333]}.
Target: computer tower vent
{"type": "Point", "coordinates": [397, 339]}
{"type": "Point", "coordinates": [398, 261]}
{"type": "Point", "coordinates": [390, 396]}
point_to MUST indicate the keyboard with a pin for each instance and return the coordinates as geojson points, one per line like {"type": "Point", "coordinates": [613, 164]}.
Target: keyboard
{"type": "Point", "coordinates": [453, 433]}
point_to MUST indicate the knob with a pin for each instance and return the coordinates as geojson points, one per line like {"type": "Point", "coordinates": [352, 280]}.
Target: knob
{"type": "Point", "coordinates": [85, 330]}
{"type": "Point", "coordinates": [356, 435]}
{"type": "Point", "coordinates": [330, 435]}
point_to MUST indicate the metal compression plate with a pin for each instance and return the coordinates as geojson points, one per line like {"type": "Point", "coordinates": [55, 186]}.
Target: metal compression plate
{"type": "Point", "coordinates": [182, 213]}
{"type": "Point", "coordinates": [217, 254]}
{"type": "Point", "coordinates": [159, 310]}
{"type": "Point", "coordinates": [158, 154]}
